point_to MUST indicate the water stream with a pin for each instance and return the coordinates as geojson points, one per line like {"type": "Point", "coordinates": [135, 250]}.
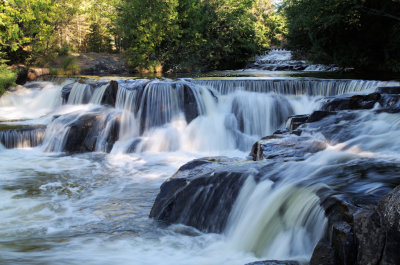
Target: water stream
{"type": "Point", "coordinates": [93, 207]}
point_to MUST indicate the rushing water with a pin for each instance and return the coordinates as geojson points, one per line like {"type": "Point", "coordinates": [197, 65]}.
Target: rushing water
{"type": "Point", "coordinates": [92, 208]}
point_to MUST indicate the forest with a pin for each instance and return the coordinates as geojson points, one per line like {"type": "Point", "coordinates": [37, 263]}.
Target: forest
{"type": "Point", "coordinates": [199, 35]}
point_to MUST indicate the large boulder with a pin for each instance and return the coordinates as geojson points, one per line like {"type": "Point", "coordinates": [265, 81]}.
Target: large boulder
{"type": "Point", "coordinates": [368, 235]}
{"type": "Point", "coordinates": [84, 132]}
{"type": "Point", "coordinates": [201, 194]}
{"type": "Point", "coordinates": [356, 102]}
{"type": "Point", "coordinates": [285, 146]}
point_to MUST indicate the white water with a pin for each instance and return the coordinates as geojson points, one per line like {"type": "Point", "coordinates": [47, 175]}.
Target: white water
{"type": "Point", "coordinates": [98, 94]}
{"type": "Point", "coordinates": [93, 208]}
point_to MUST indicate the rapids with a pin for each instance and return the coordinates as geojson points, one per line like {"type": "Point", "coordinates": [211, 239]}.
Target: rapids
{"type": "Point", "coordinates": [58, 207]}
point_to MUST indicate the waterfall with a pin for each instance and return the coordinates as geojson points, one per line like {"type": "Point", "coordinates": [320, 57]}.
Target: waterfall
{"type": "Point", "coordinates": [98, 94]}
{"type": "Point", "coordinates": [276, 222]}
{"type": "Point", "coordinates": [80, 94]}
{"type": "Point", "coordinates": [22, 138]}
{"type": "Point", "coordinates": [311, 87]}
{"type": "Point", "coordinates": [33, 100]}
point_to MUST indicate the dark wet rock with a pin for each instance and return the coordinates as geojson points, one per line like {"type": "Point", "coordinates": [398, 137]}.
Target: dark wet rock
{"type": "Point", "coordinates": [21, 136]}
{"type": "Point", "coordinates": [202, 192]}
{"type": "Point", "coordinates": [110, 95]}
{"type": "Point", "coordinates": [293, 122]}
{"type": "Point", "coordinates": [65, 92]}
{"type": "Point", "coordinates": [356, 102]}
{"type": "Point", "coordinates": [275, 262]}
{"type": "Point", "coordinates": [389, 211]}
{"type": "Point", "coordinates": [285, 147]}
{"type": "Point", "coordinates": [84, 133]}
{"type": "Point", "coordinates": [323, 254]}
{"type": "Point", "coordinates": [367, 235]}
{"type": "Point", "coordinates": [388, 90]}
{"type": "Point", "coordinates": [319, 115]}
{"type": "Point", "coordinates": [370, 236]}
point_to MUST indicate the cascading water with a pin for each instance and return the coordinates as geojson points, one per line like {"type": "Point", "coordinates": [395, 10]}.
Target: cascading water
{"type": "Point", "coordinates": [302, 86]}
{"type": "Point", "coordinates": [80, 94]}
{"type": "Point", "coordinates": [98, 94]}
{"type": "Point", "coordinates": [22, 138]}
{"type": "Point", "coordinates": [81, 206]}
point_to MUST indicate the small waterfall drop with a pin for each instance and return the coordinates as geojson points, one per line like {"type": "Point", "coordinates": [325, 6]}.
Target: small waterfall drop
{"type": "Point", "coordinates": [311, 87]}
{"type": "Point", "coordinates": [22, 138]}
{"type": "Point", "coordinates": [80, 94]}
{"type": "Point", "coordinates": [276, 221]}
{"type": "Point", "coordinates": [98, 94]}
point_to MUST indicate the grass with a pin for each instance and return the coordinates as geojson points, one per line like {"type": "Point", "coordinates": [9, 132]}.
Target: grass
{"type": "Point", "coordinates": [7, 78]}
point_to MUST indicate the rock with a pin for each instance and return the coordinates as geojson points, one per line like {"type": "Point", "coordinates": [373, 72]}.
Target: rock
{"type": "Point", "coordinates": [293, 122]}
{"type": "Point", "coordinates": [66, 91]}
{"type": "Point", "coordinates": [286, 147]}
{"type": "Point", "coordinates": [323, 254]}
{"type": "Point", "coordinates": [85, 130]}
{"type": "Point", "coordinates": [356, 102]}
{"type": "Point", "coordinates": [389, 212]}
{"type": "Point", "coordinates": [319, 115]}
{"type": "Point", "coordinates": [110, 95]}
{"type": "Point", "coordinates": [202, 193]}
{"type": "Point", "coordinates": [275, 262]}
{"type": "Point", "coordinates": [370, 236]}
{"type": "Point", "coordinates": [388, 90]}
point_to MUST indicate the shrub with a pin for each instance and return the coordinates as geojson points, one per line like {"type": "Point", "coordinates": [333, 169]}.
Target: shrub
{"type": "Point", "coordinates": [7, 78]}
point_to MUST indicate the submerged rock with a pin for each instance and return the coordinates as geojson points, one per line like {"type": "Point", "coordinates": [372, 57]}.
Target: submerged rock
{"type": "Point", "coordinates": [286, 146]}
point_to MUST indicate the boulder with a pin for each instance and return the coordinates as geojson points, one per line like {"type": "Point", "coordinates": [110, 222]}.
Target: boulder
{"type": "Point", "coordinates": [323, 254]}
{"type": "Point", "coordinates": [319, 115]}
{"type": "Point", "coordinates": [85, 130]}
{"type": "Point", "coordinates": [388, 90]}
{"type": "Point", "coordinates": [389, 211]}
{"type": "Point", "coordinates": [356, 102]}
{"type": "Point", "coordinates": [110, 95]}
{"type": "Point", "coordinates": [368, 235]}
{"type": "Point", "coordinates": [286, 146]}
{"type": "Point", "coordinates": [293, 122]}
{"type": "Point", "coordinates": [201, 194]}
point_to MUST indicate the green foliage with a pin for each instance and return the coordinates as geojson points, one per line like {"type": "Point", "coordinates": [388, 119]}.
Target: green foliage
{"type": "Point", "coordinates": [356, 33]}
{"type": "Point", "coordinates": [193, 35]}
{"type": "Point", "coordinates": [7, 78]}
{"type": "Point", "coordinates": [98, 40]}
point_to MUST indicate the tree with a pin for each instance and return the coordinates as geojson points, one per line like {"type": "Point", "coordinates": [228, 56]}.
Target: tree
{"type": "Point", "coordinates": [356, 33]}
